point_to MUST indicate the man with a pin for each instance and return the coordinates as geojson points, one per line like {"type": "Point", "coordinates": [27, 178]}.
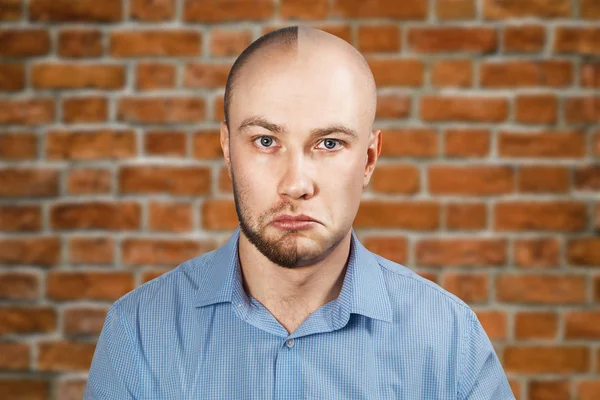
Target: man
{"type": "Point", "coordinates": [293, 306]}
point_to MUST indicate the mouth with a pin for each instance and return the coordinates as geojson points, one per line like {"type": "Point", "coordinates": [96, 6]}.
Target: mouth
{"type": "Point", "coordinates": [298, 222]}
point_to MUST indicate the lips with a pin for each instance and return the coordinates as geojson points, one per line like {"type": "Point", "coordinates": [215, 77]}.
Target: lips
{"type": "Point", "coordinates": [295, 218]}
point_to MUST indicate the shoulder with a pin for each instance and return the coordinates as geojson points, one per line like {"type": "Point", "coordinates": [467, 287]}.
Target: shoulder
{"type": "Point", "coordinates": [175, 286]}
{"type": "Point", "coordinates": [409, 290]}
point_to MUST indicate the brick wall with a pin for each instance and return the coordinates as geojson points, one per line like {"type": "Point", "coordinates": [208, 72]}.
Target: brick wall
{"type": "Point", "coordinates": [111, 171]}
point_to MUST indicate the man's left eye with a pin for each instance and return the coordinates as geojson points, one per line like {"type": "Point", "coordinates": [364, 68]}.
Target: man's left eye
{"type": "Point", "coordinates": [330, 143]}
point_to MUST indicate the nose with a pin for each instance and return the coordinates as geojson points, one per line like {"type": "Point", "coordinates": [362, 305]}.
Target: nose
{"type": "Point", "coordinates": [296, 181]}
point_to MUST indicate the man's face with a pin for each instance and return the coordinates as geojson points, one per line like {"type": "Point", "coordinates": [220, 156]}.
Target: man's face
{"type": "Point", "coordinates": [295, 172]}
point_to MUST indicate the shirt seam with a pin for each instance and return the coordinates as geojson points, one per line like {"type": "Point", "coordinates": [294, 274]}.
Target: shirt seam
{"type": "Point", "coordinates": [129, 331]}
{"type": "Point", "coordinates": [462, 359]}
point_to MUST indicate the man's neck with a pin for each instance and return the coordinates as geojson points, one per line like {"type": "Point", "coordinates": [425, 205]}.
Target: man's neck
{"type": "Point", "coordinates": [293, 294]}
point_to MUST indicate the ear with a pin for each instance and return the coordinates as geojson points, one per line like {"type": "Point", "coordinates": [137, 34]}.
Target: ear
{"type": "Point", "coordinates": [373, 151]}
{"type": "Point", "coordinates": [224, 137]}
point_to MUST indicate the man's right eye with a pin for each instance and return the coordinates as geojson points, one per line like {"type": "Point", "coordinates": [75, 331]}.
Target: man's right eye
{"type": "Point", "coordinates": [265, 141]}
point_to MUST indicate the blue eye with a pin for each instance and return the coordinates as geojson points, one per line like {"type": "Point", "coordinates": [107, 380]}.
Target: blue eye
{"type": "Point", "coordinates": [330, 143]}
{"type": "Point", "coordinates": [266, 141]}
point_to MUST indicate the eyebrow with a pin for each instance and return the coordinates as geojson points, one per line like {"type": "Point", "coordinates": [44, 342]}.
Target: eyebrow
{"type": "Point", "coordinates": [316, 132]}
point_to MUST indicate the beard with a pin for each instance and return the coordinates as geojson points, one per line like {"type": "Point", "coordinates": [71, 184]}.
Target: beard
{"type": "Point", "coordinates": [282, 251]}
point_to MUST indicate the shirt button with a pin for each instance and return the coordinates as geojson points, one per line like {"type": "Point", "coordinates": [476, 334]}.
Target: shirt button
{"type": "Point", "coordinates": [290, 342]}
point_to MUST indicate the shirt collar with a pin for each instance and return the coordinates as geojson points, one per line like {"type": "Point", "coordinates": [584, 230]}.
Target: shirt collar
{"type": "Point", "coordinates": [363, 291]}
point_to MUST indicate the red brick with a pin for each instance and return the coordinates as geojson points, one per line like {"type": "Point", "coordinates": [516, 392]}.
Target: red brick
{"type": "Point", "coordinates": [165, 143]}
{"type": "Point", "coordinates": [85, 109]}
{"type": "Point", "coordinates": [80, 43]}
{"type": "Point", "coordinates": [455, 9]}
{"type": "Point", "coordinates": [90, 145]}
{"type": "Point", "coordinates": [471, 288]}
{"type": "Point", "coordinates": [152, 10]}
{"type": "Point", "coordinates": [539, 289]}
{"type": "Point", "coordinates": [494, 9]}
{"type": "Point", "coordinates": [588, 389]}
{"type": "Point", "coordinates": [563, 216]}
{"type": "Point", "coordinates": [20, 388]}
{"type": "Point", "coordinates": [14, 357]}
{"type": "Point", "coordinates": [397, 72]}
{"type": "Point", "coordinates": [170, 217]}
{"type": "Point", "coordinates": [573, 39]}
{"type": "Point", "coordinates": [228, 43]}
{"type": "Point", "coordinates": [587, 177]}
{"type": "Point", "coordinates": [207, 145]}
{"type": "Point", "coordinates": [555, 73]}
{"type": "Point", "coordinates": [18, 286]}
{"type": "Point", "coordinates": [156, 43]}
{"type": "Point", "coordinates": [18, 146]}
{"type": "Point", "coordinates": [393, 248]}
{"type": "Point", "coordinates": [410, 143]}
{"type": "Point", "coordinates": [537, 253]}
{"type": "Point", "coordinates": [25, 320]}
{"type": "Point", "coordinates": [393, 106]}
{"type": "Point", "coordinates": [596, 144]}
{"type": "Point", "coordinates": [524, 38]}
{"type": "Point", "coordinates": [453, 73]}
{"type": "Point", "coordinates": [303, 9]}
{"type": "Point", "coordinates": [161, 110]}
{"type": "Point", "coordinates": [536, 325]}
{"type": "Point", "coordinates": [84, 320]}
{"type": "Point", "coordinates": [159, 252]}
{"type": "Point", "coordinates": [59, 356]}
{"type": "Point", "coordinates": [227, 10]}
{"type": "Point", "coordinates": [543, 179]}
{"type": "Point", "coordinates": [453, 39]}
{"type": "Point", "coordinates": [466, 216]}
{"type": "Point", "coordinates": [590, 74]}
{"type": "Point", "coordinates": [536, 109]}
{"type": "Point", "coordinates": [28, 182]}
{"type": "Point", "coordinates": [460, 252]}
{"type": "Point", "coordinates": [153, 274]}
{"type": "Point", "coordinates": [419, 216]}
{"type": "Point", "coordinates": [582, 325]}
{"type": "Point", "coordinates": [494, 323]}
{"type": "Point", "coordinates": [218, 109]}
{"type": "Point", "coordinates": [225, 184]}
{"type": "Point", "coordinates": [467, 142]}
{"type": "Point", "coordinates": [10, 10]}
{"type": "Point", "coordinates": [91, 250]}
{"type": "Point", "coordinates": [79, 11]}
{"type": "Point", "coordinates": [24, 42]}
{"type": "Point", "coordinates": [20, 218]}
{"type": "Point", "coordinates": [78, 76]}
{"type": "Point", "coordinates": [70, 388]}
{"type": "Point", "coordinates": [546, 359]}
{"type": "Point", "coordinates": [26, 111]}
{"type": "Point", "coordinates": [589, 9]}
{"type": "Point", "coordinates": [74, 285]}
{"type": "Point", "coordinates": [474, 180]}
{"type": "Point", "coordinates": [584, 251]}
{"type": "Point", "coordinates": [582, 109]}
{"type": "Point", "coordinates": [218, 214]}
{"type": "Point", "coordinates": [43, 251]}
{"type": "Point", "coordinates": [89, 181]}
{"type": "Point", "coordinates": [12, 77]}
{"type": "Point", "coordinates": [206, 75]}
{"type": "Point", "coordinates": [378, 38]}
{"type": "Point", "coordinates": [178, 181]}
{"type": "Point", "coordinates": [155, 76]}
{"type": "Point", "coordinates": [124, 215]}
{"type": "Point", "coordinates": [396, 178]}
{"type": "Point", "coordinates": [597, 293]}
{"type": "Point", "coordinates": [468, 109]}
{"type": "Point", "coordinates": [409, 9]}
{"type": "Point", "coordinates": [548, 144]}
{"type": "Point", "coordinates": [549, 390]}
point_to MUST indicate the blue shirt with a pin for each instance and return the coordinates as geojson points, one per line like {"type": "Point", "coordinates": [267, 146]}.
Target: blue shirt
{"type": "Point", "coordinates": [193, 333]}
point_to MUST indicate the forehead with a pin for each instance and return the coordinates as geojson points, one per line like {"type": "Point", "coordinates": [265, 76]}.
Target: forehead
{"type": "Point", "coordinates": [300, 91]}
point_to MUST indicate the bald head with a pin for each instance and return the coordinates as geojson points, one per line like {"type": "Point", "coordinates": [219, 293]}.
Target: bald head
{"type": "Point", "coordinates": [325, 55]}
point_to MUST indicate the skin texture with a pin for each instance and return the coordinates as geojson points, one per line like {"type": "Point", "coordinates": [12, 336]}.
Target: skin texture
{"type": "Point", "coordinates": [321, 82]}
